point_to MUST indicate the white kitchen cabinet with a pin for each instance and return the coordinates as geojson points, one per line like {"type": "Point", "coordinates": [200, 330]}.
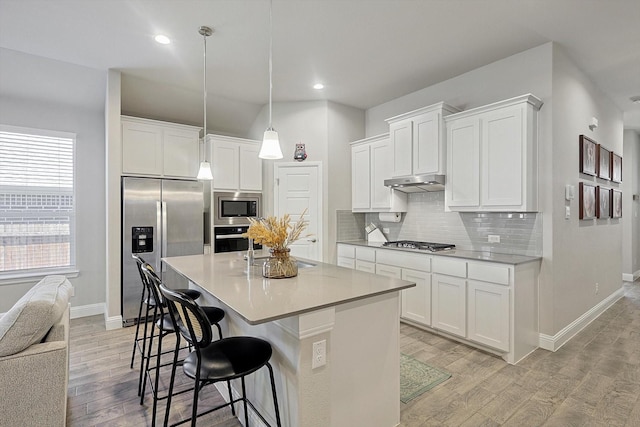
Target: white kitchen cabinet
{"type": "Point", "coordinates": [346, 256]}
{"type": "Point", "coordinates": [488, 314]}
{"type": "Point", "coordinates": [449, 304]}
{"type": "Point", "coordinates": [370, 166]}
{"type": "Point", "coordinates": [236, 165]}
{"type": "Point", "coordinates": [418, 141]}
{"type": "Point", "coordinates": [414, 267]}
{"type": "Point", "coordinates": [162, 149]}
{"type": "Point", "coordinates": [416, 301]}
{"type": "Point", "coordinates": [492, 157]}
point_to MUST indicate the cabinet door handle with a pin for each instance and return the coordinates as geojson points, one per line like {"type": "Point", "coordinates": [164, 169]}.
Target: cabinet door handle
{"type": "Point", "coordinates": [312, 240]}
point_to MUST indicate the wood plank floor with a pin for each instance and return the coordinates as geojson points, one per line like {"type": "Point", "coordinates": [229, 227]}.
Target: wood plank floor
{"type": "Point", "coordinates": [594, 380]}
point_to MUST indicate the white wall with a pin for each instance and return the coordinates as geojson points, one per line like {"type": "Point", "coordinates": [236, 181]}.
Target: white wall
{"type": "Point", "coordinates": [326, 128]}
{"type": "Point", "coordinates": [570, 263]}
{"type": "Point", "coordinates": [630, 207]}
{"type": "Point", "coordinates": [63, 108]}
{"type": "Point", "coordinates": [589, 251]}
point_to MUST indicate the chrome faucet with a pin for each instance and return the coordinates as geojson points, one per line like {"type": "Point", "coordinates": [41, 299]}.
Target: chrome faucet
{"type": "Point", "coordinates": [250, 254]}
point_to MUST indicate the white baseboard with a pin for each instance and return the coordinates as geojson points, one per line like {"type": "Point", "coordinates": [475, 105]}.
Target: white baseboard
{"type": "Point", "coordinates": [111, 323]}
{"type": "Point", "coordinates": [627, 277]}
{"type": "Point", "coordinates": [553, 343]}
{"type": "Point", "coordinates": [87, 310]}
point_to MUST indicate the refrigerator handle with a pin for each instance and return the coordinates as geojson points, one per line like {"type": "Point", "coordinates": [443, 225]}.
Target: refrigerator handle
{"type": "Point", "coordinates": [164, 234]}
{"type": "Point", "coordinates": [158, 233]}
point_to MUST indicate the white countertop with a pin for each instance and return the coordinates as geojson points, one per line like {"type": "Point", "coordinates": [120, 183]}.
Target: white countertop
{"type": "Point", "coordinates": [456, 253]}
{"type": "Point", "coordinates": [258, 300]}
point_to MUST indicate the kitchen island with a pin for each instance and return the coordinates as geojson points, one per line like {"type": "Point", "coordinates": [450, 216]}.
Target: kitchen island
{"type": "Point", "coordinates": [354, 314]}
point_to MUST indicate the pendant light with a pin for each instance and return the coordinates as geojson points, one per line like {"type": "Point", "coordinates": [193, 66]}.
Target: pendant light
{"type": "Point", "coordinates": [270, 144]}
{"type": "Point", "coordinates": [204, 173]}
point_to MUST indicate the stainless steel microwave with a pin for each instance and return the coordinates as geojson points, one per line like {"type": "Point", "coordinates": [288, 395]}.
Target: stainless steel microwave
{"type": "Point", "coordinates": [236, 208]}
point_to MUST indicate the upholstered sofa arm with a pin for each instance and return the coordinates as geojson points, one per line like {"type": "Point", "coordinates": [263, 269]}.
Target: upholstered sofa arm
{"type": "Point", "coordinates": [33, 383]}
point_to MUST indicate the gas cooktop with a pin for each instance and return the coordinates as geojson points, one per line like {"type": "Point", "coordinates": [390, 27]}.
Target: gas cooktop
{"type": "Point", "coordinates": [424, 246]}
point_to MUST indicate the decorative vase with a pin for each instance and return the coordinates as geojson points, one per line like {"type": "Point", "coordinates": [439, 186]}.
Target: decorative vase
{"type": "Point", "coordinates": [280, 265]}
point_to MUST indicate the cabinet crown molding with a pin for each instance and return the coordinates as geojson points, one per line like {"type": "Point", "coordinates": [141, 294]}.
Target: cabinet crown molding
{"type": "Point", "coordinates": [159, 122]}
{"type": "Point", "coordinates": [213, 137]}
{"type": "Point", "coordinates": [531, 99]}
{"type": "Point", "coordinates": [435, 107]}
{"type": "Point", "coordinates": [371, 139]}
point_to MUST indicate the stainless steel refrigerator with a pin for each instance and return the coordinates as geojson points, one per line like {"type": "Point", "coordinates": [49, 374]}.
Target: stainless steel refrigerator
{"type": "Point", "coordinates": [160, 218]}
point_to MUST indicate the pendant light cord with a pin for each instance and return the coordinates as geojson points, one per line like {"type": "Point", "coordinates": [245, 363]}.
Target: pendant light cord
{"type": "Point", "coordinates": [270, 60]}
{"type": "Point", "coordinates": [204, 36]}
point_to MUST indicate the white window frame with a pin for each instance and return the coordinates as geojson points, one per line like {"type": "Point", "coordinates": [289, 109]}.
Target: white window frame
{"type": "Point", "coordinates": [34, 274]}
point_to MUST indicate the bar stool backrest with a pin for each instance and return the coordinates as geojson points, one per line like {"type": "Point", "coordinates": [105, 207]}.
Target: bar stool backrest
{"type": "Point", "coordinates": [188, 315]}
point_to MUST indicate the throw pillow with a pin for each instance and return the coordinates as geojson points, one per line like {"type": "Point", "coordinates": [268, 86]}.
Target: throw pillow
{"type": "Point", "coordinates": [32, 316]}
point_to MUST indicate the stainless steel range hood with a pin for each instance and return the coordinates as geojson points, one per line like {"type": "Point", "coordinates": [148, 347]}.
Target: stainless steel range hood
{"type": "Point", "coordinates": [416, 183]}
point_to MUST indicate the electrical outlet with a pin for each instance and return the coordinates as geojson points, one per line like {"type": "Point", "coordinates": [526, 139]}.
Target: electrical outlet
{"type": "Point", "coordinates": [494, 238]}
{"type": "Point", "coordinates": [319, 356]}
{"type": "Point", "coordinates": [597, 288]}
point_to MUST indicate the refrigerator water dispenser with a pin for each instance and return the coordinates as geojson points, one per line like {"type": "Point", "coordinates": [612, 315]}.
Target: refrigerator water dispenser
{"type": "Point", "coordinates": [141, 239]}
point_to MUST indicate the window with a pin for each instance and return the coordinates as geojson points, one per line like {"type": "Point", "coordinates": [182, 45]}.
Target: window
{"type": "Point", "coordinates": [37, 209]}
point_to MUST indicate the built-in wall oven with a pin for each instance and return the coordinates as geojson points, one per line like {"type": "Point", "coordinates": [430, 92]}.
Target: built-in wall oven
{"type": "Point", "coordinates": [231, 213]}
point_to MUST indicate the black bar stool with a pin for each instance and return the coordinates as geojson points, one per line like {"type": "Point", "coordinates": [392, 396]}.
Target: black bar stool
{"type": "Point", "coordinates": [149, 302]}
{"type": "Point", "coordinates": [215, 361]}
{"type": "Point", "coordinates": [163, 323]}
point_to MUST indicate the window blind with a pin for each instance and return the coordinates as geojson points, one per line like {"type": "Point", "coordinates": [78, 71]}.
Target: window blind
{"type": "Point", "coordinates": [37, 209]}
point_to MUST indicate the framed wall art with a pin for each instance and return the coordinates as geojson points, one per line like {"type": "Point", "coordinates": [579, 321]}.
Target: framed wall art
{"type": "Point", "coordinates": [603, 209]}
{"type": "Point", "coordinates": [616, 167]}
{"type": "Point", "coordinates": [616, 204]}
{"type": "Point", "coordinates": [604, 163]}
{"type": "Point", "coordinates": [588, 156]}
{"type": "Point", "coordinates": [588, 200]}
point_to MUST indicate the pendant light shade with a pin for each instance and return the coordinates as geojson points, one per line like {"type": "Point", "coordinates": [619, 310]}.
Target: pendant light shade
{"type": "Point", "coordinates": [270, 148]}
{"type": "Point", "coordinates": [204, 173]}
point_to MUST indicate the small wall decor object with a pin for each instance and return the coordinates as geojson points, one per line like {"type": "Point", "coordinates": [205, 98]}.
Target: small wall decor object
{"type": "Point", "coordinates": [616, 204]}
{"type": "Point", "coordinates": [588, 199]}
{"type": "Point", "coordinates": [603, 210]}
{"type": "Point", "coordinates": [604, 163]}
{"type": "Point", "coordinates": [588, 156]}
{"type": "Point", "coordinates": [616, 167]}
{"type": "Point", "coordinates": [301, 153]}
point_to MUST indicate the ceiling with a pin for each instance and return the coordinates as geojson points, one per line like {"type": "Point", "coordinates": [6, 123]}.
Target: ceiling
{"type": "Point", "coordinates": [366, 52]}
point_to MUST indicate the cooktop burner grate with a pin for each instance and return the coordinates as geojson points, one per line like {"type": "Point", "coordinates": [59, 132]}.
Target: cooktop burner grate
{"type": "Point", "coordinates": [425, 246]}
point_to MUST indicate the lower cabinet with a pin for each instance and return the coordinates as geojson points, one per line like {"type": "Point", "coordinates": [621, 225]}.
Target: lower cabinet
{"type": "Point", "coordinates": [416, 301]}
{"type": "Point", "coordinates": [449, 304]}
{"type": "Point", "coordinates": [473, 300]}
{"type": "Point", "coordinates": [488, 313]}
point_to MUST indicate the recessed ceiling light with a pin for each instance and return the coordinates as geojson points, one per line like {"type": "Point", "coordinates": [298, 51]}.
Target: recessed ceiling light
{"type": "Point", "coordinates": [635, 99]}
{"type": "Point", "coordinates": [318, 86]}
{"type": "Point", "coordinates": [162, 39]}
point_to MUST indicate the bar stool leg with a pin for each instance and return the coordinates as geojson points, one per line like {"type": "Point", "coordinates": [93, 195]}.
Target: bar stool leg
{"type": "Point", "coordinates": [275, 398]}
{"type": "Point", "coordinates": [244, 399]}
{"type": "Point", "coordinates": [233, 406]}
{"type": "Point", "coordinates": [135, 340]}
{"type": "Point", "coordinates": [172, 381]}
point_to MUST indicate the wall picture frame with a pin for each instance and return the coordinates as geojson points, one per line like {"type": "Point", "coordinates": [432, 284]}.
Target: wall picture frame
{"type": "Point", "coordinates": [603, 209]}
{"type": "Point", "coordinates": [588, 200]}
{"type": "Point", "coordinates": [604, 163]}
{"type": "Point", "coordinates": [616, 167]}
{"type": "Point", "coordinates": [616, 203]}
{"type": "Point", "coordinates": [588, 156]}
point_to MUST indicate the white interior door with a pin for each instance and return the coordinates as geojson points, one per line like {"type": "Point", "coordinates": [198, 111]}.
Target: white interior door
{"type": "Point", "coordinates": [299, 187]}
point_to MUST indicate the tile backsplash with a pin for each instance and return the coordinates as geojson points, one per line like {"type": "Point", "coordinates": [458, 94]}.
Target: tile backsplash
{"type": "Point", "coordinates": [426, 220]}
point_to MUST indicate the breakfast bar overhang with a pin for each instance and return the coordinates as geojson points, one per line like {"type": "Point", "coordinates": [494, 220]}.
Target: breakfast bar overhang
{"type": "Point", "coordinates": [356, 314]}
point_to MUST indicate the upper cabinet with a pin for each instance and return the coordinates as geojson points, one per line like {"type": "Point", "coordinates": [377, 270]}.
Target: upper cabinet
{"type": "Point", "coordinates": [492, 157]}
{"type": "Point", "coordinates": [418, 141]}
{"type": "Point", "coordinates": [370, 166]}
{"type": "Point", "coordinates": [155, 148]}
{"type": "Point", "coordinates": [236, 165]}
